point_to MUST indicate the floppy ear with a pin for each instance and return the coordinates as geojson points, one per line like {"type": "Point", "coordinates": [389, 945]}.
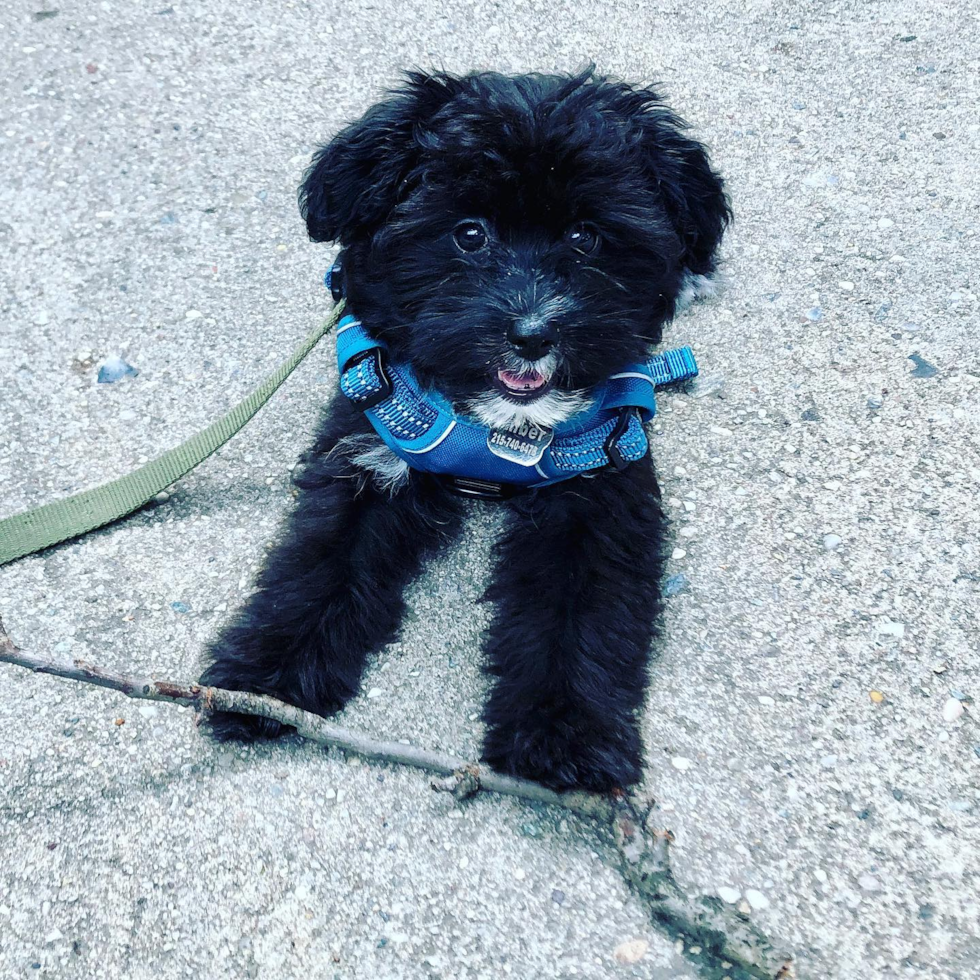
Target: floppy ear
{"type": "Point", "coordinates": [365, 170]}
{"type": "Point", "coordinates": [693, 193]}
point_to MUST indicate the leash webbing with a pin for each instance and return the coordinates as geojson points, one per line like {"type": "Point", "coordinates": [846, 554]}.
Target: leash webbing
{"type": "Point", "coordinates": [32, 531]}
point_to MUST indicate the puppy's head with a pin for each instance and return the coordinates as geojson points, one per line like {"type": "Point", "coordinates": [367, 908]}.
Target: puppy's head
{"type": "Point", "coordinates": [517, 239]}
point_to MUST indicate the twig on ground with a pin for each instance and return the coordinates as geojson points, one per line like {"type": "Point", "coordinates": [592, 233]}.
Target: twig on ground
{"type": "Point", "coordinates": [644, 850]}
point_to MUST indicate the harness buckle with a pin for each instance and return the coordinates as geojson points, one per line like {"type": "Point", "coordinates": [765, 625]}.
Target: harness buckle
{"type": "Point", "coordinates": [465, 486]}
{"type": "Point", "coordinates": [379, 368]}
{"type": "Point", "coordinates": [334, 279]}
{"type": "Point", "coordinates": [611, 446]}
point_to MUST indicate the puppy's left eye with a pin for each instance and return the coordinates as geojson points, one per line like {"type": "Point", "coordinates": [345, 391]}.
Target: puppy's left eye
{"type": "Point", "coordinates": [583, 237]}
{"type": "Point", "coordinates": [470, 236]}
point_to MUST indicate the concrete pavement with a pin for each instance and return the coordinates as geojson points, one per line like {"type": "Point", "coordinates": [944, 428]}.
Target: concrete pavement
{"type": "Point", "coordinates": [823, 486]}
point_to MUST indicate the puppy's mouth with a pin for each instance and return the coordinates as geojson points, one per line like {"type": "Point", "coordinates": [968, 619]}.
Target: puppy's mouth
{"type": "Point", "coordinates": [523, 385]}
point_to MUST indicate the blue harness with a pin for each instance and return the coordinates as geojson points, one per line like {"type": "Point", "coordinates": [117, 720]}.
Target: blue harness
{"type": "Point", "coordinates": [421, 427]}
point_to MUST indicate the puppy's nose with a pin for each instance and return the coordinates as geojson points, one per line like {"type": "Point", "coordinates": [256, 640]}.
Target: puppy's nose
{"type": "Point", "coordinates": [532, 337]}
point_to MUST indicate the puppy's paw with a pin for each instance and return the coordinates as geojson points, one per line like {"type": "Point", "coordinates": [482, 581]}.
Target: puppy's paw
{"type": "Point", "coordinates": [225, 726]}
{"type": "Point", "coordinates": [233, 675]}
{"type": "Point", "coordinates": [598, 760]}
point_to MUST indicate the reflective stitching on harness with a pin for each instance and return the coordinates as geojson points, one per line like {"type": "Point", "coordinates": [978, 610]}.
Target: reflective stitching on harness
{"type": "Point", "coordinates": [432, 445]}
{"type": "Point", "coordinates": [587, 451]}
{"type": "Point", "coordinates": [404, 413]}
{"type": "Point", "coordinates": [673, 365]}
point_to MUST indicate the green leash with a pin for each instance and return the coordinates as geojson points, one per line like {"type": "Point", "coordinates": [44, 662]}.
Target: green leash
{"type": "Point", "coordinates": [37, 529]}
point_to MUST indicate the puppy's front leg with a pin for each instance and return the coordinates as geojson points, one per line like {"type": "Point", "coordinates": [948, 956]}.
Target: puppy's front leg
{"type": "Point", "coordinates": [330, 593]}
{"type": "Point", "coordinates": [577, 590]}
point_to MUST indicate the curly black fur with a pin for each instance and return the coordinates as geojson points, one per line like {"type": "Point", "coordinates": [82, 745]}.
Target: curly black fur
{"type": "Point", "coordinates": [576, 584]}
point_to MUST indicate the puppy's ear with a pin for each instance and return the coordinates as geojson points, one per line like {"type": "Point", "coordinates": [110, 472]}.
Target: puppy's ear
{"type": "Point", "coordinates": [693, 193]}
{"type": "Point", "coordinates": [366, 169]}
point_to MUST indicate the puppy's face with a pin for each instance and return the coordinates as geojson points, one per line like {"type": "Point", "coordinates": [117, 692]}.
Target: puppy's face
{"type": "Point", "coordinates": [517, 240]}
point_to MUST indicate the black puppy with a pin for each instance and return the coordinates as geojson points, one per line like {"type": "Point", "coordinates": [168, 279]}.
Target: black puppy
{"type": "Point", "coordinates": [516, 240]}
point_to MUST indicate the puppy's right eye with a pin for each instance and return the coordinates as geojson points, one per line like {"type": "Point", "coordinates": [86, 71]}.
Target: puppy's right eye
{"type": "Point", "coordinates": [470, 236]}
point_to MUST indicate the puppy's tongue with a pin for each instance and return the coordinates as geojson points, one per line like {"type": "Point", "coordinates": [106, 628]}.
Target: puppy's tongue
{"type": "Point", "coordinates": [526, 381]}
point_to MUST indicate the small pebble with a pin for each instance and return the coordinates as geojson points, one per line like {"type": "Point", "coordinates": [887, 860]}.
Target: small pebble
{"type": "Point", "coordinates": [891, 629]}
{"type": "Point", "coordinates": [923, 369]}
{"type": "Point", "coordinates": [558, 896]}
{"type": "Point", "coordinates": [832, 542]}
{"type": "Point", "coordinates": [631, 951]}
{"type": "Point", "coordinates": [884, 223]}
{"type": "Point", "coordinates": [952, 710]}
{"type": "Point", "coordinates": [728, 894]}
{"type": "Point", "coordinates": [679, 762]}
{"type": "Point", "coordinates": [676, 584]}
{"type": "Point", "coordinates": [180, 607]}
{"type": "Point", "coordinates": [678, 553]}
{"type": "Point", "coordinates": [375, 692]}
{"type": "Point", "coordinates": [875, 402]}
{"type": "Point", "coordinates": [114, 369]}
{"type": "Point", "coordinates": [846, 286]}
{"type": "Point", "coordinates": [756, 899]}
{"type": "Point", "coordinates": [193, 315]}
{"type": "Point", "coordinates": [877, 697]}
{"type": "Point", "coordinates": [828, 761]}
{"type": "Point", "coordinates": [707, 384]}
{"type": "Point", "coordinates": [815, 314]}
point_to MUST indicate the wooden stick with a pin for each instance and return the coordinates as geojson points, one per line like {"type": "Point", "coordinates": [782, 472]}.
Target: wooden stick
{"type": "Point", "coordinates": [703, 920]}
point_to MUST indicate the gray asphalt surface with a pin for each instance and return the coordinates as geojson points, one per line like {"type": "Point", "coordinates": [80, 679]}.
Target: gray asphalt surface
{"type": "Point", "coordinates": [823, 485]}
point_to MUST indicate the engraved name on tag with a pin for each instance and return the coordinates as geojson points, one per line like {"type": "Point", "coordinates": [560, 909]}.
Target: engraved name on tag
{"type": "Point", "coordinates": [523, 444]}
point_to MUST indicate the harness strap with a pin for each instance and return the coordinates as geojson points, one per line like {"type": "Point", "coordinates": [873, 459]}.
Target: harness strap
{"type": "Point", "coordinates": [422, 428]}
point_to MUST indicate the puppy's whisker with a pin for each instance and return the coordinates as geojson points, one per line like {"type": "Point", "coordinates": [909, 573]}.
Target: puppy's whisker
{"type": "Point", "coordinates": [601, 272]}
